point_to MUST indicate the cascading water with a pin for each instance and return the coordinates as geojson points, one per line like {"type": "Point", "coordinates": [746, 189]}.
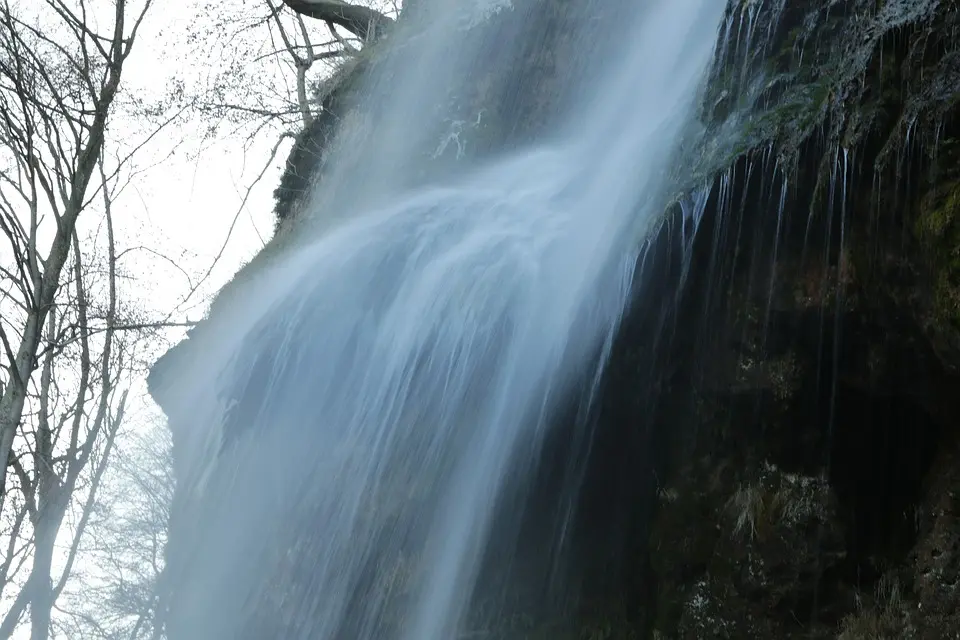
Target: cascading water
{"type": "Point", "coordinates": [395, 373]}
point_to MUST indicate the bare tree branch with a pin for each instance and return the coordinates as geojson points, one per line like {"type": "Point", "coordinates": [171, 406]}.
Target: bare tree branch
{"type": "Point", "coordinates": [61, 405]}
{"type": "Point", "coordinates": [366, 23]}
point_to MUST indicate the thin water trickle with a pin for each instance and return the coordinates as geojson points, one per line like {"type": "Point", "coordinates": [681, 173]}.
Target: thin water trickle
{"type": "Point", "coordinates": [362, 402]}
{"type": "Point", "coordinates": [774, 259]}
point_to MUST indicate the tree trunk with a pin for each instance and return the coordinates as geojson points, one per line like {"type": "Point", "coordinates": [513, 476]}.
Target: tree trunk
{"type": "Point", "coordinates": [15, 394]}
{"type": "Point", "coordinates": [42, 596]}
{"type": "Point", "coordinates": [364, 22]}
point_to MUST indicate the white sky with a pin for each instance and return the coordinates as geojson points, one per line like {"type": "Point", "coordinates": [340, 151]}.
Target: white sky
{"type": "Point", "coordinates": [186, 205]}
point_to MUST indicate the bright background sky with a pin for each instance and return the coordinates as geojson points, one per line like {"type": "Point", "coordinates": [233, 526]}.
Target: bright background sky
{"type": "Point", "coordinates": [184, 206]}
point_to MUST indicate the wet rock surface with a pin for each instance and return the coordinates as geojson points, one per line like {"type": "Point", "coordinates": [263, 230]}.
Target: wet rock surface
{"type": "Point", "coordinates": [814, 494]}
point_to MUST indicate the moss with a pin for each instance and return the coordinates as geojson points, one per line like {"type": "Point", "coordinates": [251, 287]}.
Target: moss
{"type": "Point", "coordinates": [938, 230]}
{"type": "Point", "coordinates": [939, 213]}
{"type": "Point", "coordinates": [947, 297]}
{"type": "Point", "coordinates": [753, 511]}
{"type": "Point", "coordinates": [607, 620]}
{"type": "Point", "coordinates": [867, 70]}
{"type": "Point", "coordinates": [608, 629]}
{"type": "Point", "coordinates": [334, 98]}
{"type": "Point", "coordinates": [785, 56]}
{"type": "Point", "coordinates": [776, 499]}
{"type": "Point", "coordinates": [884, 617]}
{"type": "Point", "coordinates": [869, 625]}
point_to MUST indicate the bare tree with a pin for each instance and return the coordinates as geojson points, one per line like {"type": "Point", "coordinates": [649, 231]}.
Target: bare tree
{"type": "Point", "coordinates": [56, 99]}
{"type": "Point", "coordinates": [286, 48]}
{"type": "Point", "coordinates": [363, 21]}
{"type": "Point", "coordinates": [125, 597]}
{"type": "Point", "coordinates": [65, 361]}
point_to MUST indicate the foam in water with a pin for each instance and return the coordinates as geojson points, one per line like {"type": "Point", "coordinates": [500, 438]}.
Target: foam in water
{"type": "Point", "coordinates": [389, 380]}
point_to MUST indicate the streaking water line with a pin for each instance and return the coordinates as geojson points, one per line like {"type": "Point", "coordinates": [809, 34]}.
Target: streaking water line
{"type": "Point", "coordinates": [361, 402]}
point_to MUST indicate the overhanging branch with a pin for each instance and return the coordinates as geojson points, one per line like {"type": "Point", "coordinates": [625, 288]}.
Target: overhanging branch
{"type": "Point", "coordinates": [365, 23]}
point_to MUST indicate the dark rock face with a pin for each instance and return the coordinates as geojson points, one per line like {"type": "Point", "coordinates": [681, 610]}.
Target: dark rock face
{"type": "Point", "coordinates": [307, 157]}
{"type": "Point", "coordinates": [812, 493]}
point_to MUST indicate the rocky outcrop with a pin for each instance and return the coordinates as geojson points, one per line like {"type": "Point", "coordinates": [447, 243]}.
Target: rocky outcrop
{"type": "Point", "coordinates": [526, 81]}
{"type": "Point", "coordinates": [813, 493]}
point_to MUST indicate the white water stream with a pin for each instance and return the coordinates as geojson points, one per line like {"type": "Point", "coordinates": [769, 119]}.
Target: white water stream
{"type": "Point", "coordinates": [391, 369]}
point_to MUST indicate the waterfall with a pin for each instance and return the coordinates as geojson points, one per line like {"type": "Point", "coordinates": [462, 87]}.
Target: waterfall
{"type": "Point", "coordinates": [353, 416]}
